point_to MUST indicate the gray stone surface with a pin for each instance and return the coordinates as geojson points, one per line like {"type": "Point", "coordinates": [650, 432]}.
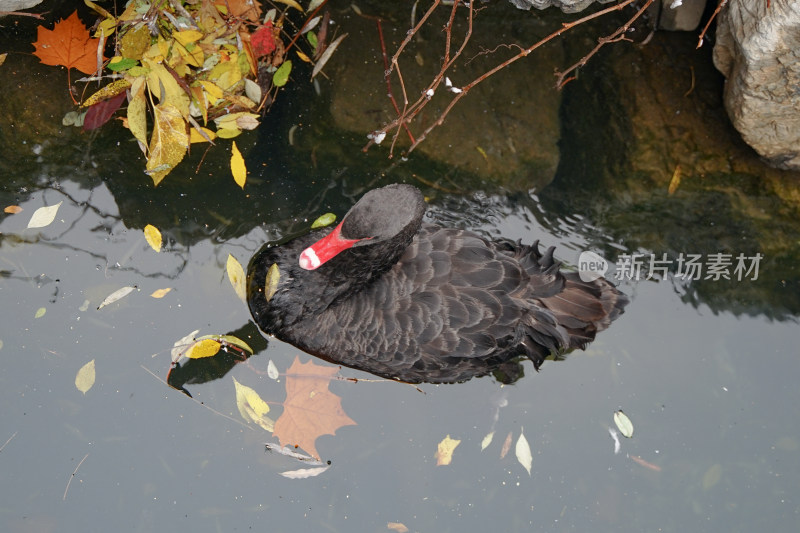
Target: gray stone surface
{"type": "Point", "coordinates": [758, 51]}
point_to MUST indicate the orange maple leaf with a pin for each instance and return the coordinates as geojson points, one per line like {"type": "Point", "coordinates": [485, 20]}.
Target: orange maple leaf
{"type": "Point", "coordinates": [68, 44]}
{"type": "Point", "coordinates": [310, 409]}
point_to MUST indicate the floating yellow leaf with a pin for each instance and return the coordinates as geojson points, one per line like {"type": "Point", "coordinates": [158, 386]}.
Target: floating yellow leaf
{"type": "Point", "coordinates": [40, 312]}
{"type": "Point", "coordinates": [168, 143]}
{"type": "Point", "coordinates": [623, 423]}
{"type": "Point", "coordinates": [187, 36]}
{"type": "Point", "coordinates": [302, 56]}
{"type": "Point", "coordinates": [229, 339]}
{"type": "Point", "coordinates": [271, 284]}
{"type": "Point", "coordinates": [238, 168]}
{"type": "Point", "coordinates": [137, 111]}
{"type": "Point", "coordinates": [196, 137]}
{"type": "Point", "coordinates": [12, 209]}
{"type": "Point", "coordinates": [85, 377]}
{"type": "Point", "coordinates": [203, 348]}
{"type": "Point", "coordinates": [160, 293]}
{"type": "Point", "coordinates": [44, 216]}
{"type": "Point", "coordinates": [112, 89]}
{"type": "Point", "coordinates": [153, 237]}
{"type": "Point", "coordinates": [523, 452]}
{"type": "Point", "coordinates": [444, 453]}
{"type": "Point", "coordinates": [237, 277]}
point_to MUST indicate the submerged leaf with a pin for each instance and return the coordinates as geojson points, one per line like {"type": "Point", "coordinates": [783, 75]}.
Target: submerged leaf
{"type": "Point", "coordinates": [444, 452]}
{"type": "Point", "coordinates": [116, 295]}
{"type": "Point", "coordinates": [44, 216]}
{"type": "Point", "coordinates": [523, 452]}
{"type": "Point", "coordinates": [85, 377]}
{"type": "Point", "coordinates": [237, 277]}
{"type": "Point", "coordinates": [506, 446]}
{"type": "Point", "coordinates": [40, 312]}
{"type": "Point", "coordinates": [624, 424]}
{"type": "Point", "coordinates": [153, 237]}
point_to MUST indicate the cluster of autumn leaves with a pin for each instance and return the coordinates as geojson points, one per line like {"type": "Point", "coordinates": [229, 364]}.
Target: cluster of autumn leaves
{"type": "Point", "coordinates": [181, 69]}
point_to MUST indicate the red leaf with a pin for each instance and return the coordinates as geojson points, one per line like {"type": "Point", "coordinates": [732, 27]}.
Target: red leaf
{"type": "Point", "coordinates": [101, 112]}
{"type": "Point", "coordinates": [68, 44]}
{"type": "Point", "coordinates": [263, 40]}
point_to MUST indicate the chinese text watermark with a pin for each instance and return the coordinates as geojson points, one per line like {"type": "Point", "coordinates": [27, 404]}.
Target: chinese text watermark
{"type": "Point", "coordinates": [641, 266]}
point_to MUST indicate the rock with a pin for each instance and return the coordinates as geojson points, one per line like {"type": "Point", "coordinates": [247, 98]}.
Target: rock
{"type": "Point", "coordinates": [567, 6]}
{"type": "Point", "coordinates": [758, 52]}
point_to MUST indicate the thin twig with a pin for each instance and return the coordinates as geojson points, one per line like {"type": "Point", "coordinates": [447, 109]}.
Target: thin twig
{"type": "Point", "coordinates": [702, 36]}
{"type": "Point", "coordinates": [410, 112]}
{"type": "Point", "coordinates": [617, 36]}
{"type": "Point", "coordinates": [73, 476]}
{"type": "Point", "coordinates": [198, 402]}
{"type": "Point", "coordinates": [9, 440]}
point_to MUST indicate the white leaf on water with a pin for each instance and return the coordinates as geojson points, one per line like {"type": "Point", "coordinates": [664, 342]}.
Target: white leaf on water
{"type": "Point", "coordinates": [181, 345]}
{"type": "Point", "coordinates": [624, 424]}
{"type": "Point", "coordinates": [304, 473]}
{"type": "Point", "coordinates": [487, 440]}
{"type": "Point", "coordinates": [116, 295]}
{"type": "Point", "coordinates": [272, 370]}
{"type": "Point", "coordinates": [44, 216]}
{"type": "Point", "coordinates": [523, 452]}
{"type": "Point", "coordinates": [85, 377]}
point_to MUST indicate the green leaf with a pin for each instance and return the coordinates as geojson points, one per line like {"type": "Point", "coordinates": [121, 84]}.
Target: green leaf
{"type": "Point", "coordinates": [281, 75]}
{"type": "Point", "coordinates": [325, 220]}
{"type": "Point", "coordinates": [624, 424]}
{"type": "Point", "coordinates": [312, 39]}
{"type": "Point", "coordinates": [123, 64]}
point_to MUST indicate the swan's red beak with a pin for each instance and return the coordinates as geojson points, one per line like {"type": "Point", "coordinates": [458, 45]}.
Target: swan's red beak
{"type": "Point", "coordinates": [326, 249]}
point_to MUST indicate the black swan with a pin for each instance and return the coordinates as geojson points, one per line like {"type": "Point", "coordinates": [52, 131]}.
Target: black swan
{"type": "Point", "coordinates": [386, 293]}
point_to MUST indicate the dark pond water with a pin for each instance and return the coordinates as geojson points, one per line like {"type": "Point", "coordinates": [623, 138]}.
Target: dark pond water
{"type": "Point", "coordinates": [711, 388]}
